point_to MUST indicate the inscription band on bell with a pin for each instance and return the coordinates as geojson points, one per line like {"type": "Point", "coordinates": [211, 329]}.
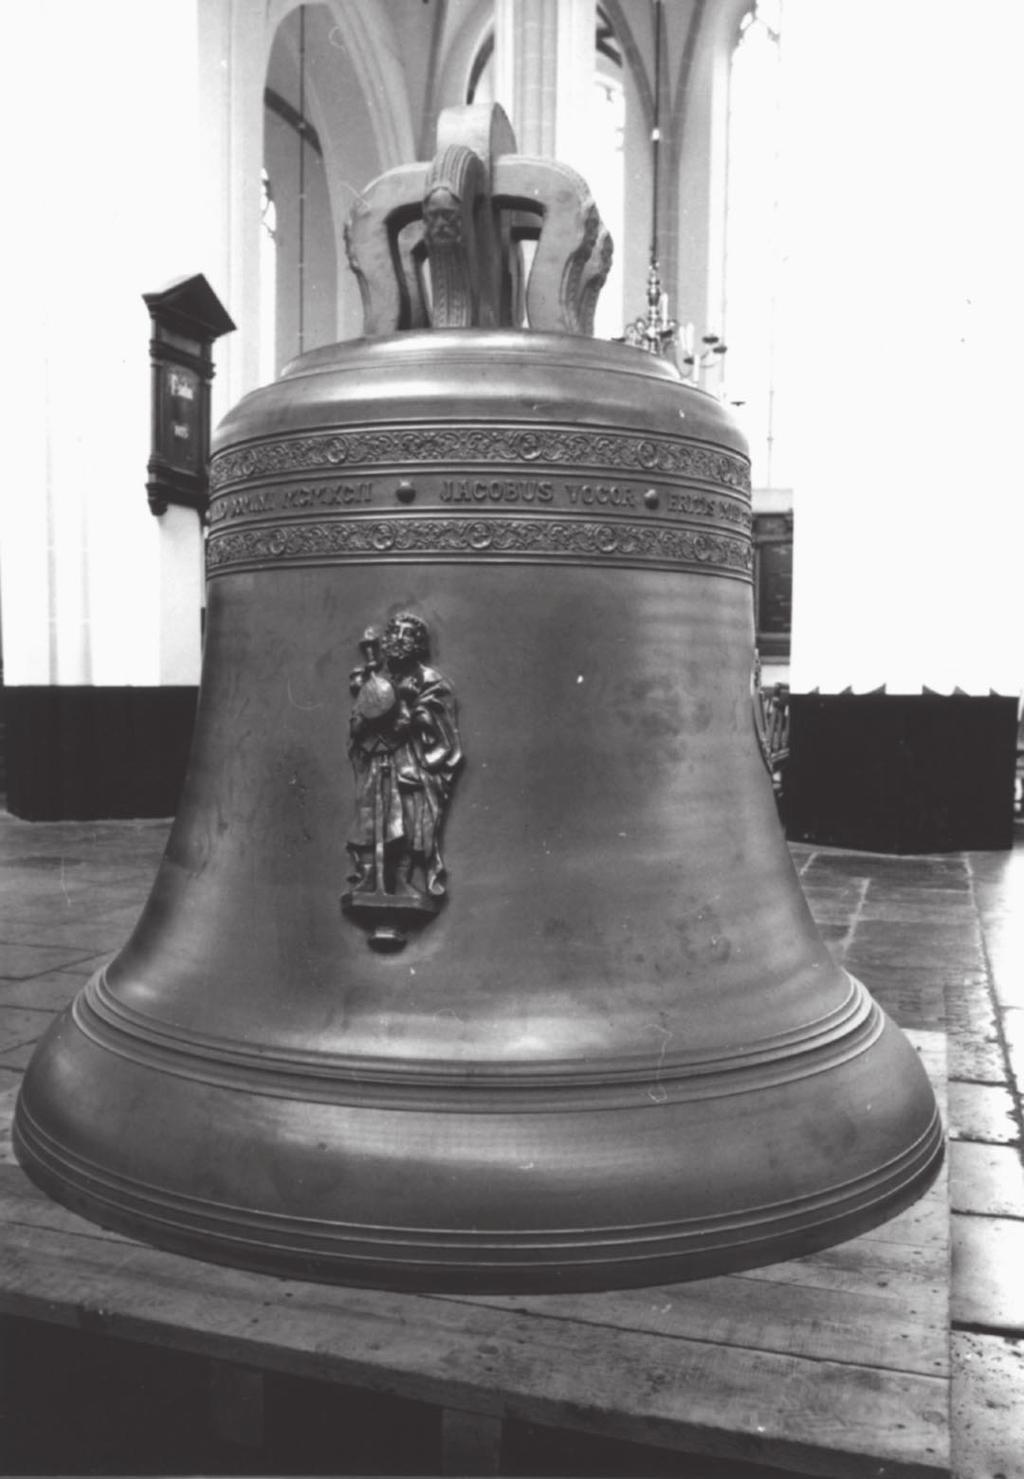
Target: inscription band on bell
{"type": "Point", "coordinates": [508, 493]}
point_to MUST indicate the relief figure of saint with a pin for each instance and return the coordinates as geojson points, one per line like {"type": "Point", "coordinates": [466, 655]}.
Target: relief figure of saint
{"type": "Point", "coordinates": [405, 750]}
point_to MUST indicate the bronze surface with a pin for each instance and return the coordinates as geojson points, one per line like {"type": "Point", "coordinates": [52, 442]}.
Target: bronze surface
{"type": "Point", "coordinates": [620, 1053]}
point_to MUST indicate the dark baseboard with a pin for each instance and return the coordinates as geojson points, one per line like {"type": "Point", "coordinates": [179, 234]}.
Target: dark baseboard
{"type": "Point", "coordinates": [87, 753]}
{"type": "Point", "coordinates": [901, 773]}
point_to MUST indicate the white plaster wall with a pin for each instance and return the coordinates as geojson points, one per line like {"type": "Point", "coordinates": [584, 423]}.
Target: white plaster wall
{"type": "Point", "coordinates": [110, 210]}
{"type": "Point", "coordinates": [137, 147]}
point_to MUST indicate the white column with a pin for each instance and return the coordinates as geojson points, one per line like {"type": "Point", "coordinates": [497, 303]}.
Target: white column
{"type": "Point", "coordinates": [575, 87]}
{"type": "Point", "coordinates": [544, 75]}
{"type": "Point", "coordinates": [700, 126]}
{"type": "Point", "coordinates": [233, 44]}
{"type": "Point", "coordinates": [907, 302]}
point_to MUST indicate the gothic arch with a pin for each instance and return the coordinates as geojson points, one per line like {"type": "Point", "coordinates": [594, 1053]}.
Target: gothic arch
{"type": "Point", "coordinates": [461, 50]}
{"type": "Point", "coordinates": [632, 57]}
{"type": "Point", "coordinates": [366, 33]}
{"type": "Point", "coordinates": [364, 126]}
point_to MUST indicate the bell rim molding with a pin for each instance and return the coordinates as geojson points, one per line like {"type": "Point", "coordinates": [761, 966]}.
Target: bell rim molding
{"type": "Point", "coordinates": [839, 1036]}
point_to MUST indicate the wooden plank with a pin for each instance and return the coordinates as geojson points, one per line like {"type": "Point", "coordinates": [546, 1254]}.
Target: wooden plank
{"type": "Point", "coordinates": [864, 1269]}
{"type": "Point", "coordinates": [987, 1394]}
{"type": "Point", "coordinates": [835, 1304]}
{"type": "Point", "coordinates": [871, 1309]}
{"type": "Point", "coordinates": [923, 1225]}
{"type": "Point", "coordinates": [894, 1329]}
{"type": "Point", "coordinates": [880, 1300]}
{"type": "Point", "coordinates": [26, 1206]}
{"type": "Point", "coordinates": [812, 1416]}
{"type": "Point", "coordinates": [846, 1267]}
{"type": "Point", "coordinates": [830, 1365]}
{"type": "Point", "coordinates": [932, 1048]}
{"type": "Point", "coordinates": [8, 1096]}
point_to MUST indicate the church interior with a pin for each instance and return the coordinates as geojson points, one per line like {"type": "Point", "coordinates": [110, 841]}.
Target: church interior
{"type": "Point", "coordinates": [813, 229]}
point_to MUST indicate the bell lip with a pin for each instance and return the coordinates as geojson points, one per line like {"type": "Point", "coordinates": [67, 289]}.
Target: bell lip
{"type": "Point", "coordinates": [507, 1260]}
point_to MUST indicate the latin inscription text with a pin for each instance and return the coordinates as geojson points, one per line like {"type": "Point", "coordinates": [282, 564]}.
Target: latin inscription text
{"type": "Point", "coordinates": [496, 490]}
{"type": "Point", "coordinates": [472, 493]}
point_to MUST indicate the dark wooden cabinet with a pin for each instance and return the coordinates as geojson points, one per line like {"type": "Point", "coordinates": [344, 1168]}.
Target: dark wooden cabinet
{"type": "Point", "coordinates": [187, 317]}
{"type": "Point", "coordinates": [773, 582]}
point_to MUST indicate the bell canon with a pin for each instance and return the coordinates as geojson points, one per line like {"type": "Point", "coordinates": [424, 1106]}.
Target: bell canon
{"type": "Point", "coordinates": [477, 960]}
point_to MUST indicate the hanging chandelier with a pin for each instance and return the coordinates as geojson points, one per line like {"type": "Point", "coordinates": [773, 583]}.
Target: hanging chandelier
{"type": "Point", "coordinates": [656, 331]}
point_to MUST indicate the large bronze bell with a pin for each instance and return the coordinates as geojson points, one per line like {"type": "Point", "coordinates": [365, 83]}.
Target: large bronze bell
{"type": "Point", "coordinates": [477, 960]}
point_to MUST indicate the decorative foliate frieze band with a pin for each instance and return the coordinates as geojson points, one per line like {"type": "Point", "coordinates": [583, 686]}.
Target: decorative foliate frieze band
{"type": "Point", "coordinates": [542, 539]}
{"type": "Point", "coordinates": [474, 445]}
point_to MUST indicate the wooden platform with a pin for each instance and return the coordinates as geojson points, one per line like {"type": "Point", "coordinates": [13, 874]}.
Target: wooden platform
{"type": "Point", "coordinates": [833, 1365]}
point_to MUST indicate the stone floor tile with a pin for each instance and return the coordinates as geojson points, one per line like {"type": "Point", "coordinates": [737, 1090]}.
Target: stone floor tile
{"type": "Point", "coordinates": [912, 997]}
{"type": "Point", "coordinates": [8, 1094]}
{"type": "Point", "coordinates": [851, 869]}
{"type": "Point", "coordinates": [986, 1179]}
{"type": "Point", "coordinates": [1013, 1032]}
{"type": "Point", "coordinates": [983, 1112]}
{"type": "Point", "coordinates": [828, 911]}
{"type": "Point", "coordinates": [987, 1407]}
{"type": "Point", "coordinates": [1004, 943]}
{"type": "Point", "coordinates": [89, 903]}
{"type": "Point", "coordinates": [872, 958]}
{"type": "Point", "coordinates": [90, 929]}
{"type": "Point", "coordinates": [907, 1003]}
{"type": "Point", "coordinates": [975, 1043]}
{"type": "Point", "coordinates": [20, 1025]}
{"type": "Point", "coordinates": [86, 941]}
{"type": "Point", "coordinates": [18, 1058]}
{"type": "Point", "coordinates": [843, 893]}
{"type": "Point", "coordinates": [49, 993]}
{"type": "Point", "coordinates": [914, 906]}
{"type": "Point", "coordinates": [978, 1061]}
{"type": "Point", "coordinates": [833, 931]}
{"type": "Point", "coordinates": [940, 952]}
{"type": "Point", "coordinates": [104, 884]}
{"type": "Point", "coordinates": [20, 962]}
{"type": "Point", "coordinates": [1002, 872]}
{"type": "Point", "coordinates": [988, 1272]}
{"type": "Point", "coordinates": [927, 872]}
{"type": "Point", "coordinates": [929, 903]}
{"type": "Point", "coordinates": [911, 938]}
